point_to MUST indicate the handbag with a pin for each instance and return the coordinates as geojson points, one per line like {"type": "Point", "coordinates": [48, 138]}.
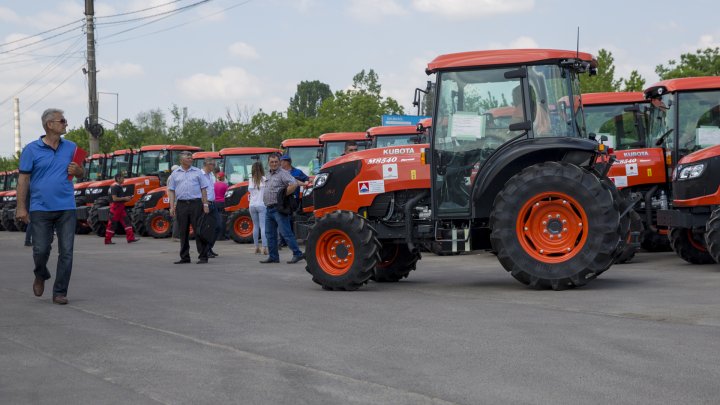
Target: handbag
{"type": "Point", "coordinates": [206, 227]}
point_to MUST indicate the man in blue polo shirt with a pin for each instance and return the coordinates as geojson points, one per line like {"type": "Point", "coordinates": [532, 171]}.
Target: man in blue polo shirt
{"type": "Point", "coordinates": [44, 168]}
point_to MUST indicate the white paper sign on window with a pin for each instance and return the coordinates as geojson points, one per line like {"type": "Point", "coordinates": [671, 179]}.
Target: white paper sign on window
{"type": "Point", "coordinates": [467, 126]}
{"type": "Point", "coordinates": [708, 136]}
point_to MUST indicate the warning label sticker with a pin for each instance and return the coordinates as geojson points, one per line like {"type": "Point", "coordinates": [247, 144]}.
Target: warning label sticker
{"type": "Point", "coordinates": [371, 187]}
{"type": "Point", "coordinates": [390, 171]}
{"type": "Point", "coordinates": [631, 169]}
{"type": "Point", "coordinates": [620, 181]}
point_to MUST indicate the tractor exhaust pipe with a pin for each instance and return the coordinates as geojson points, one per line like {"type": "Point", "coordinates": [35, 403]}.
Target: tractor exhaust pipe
{"type": "Point", "coordinates": [408, 219]}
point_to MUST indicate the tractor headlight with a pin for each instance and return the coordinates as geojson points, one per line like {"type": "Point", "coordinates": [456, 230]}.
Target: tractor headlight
{"type": "Point", "coordinates": [147, 197]}
{"type": "Point", "coordinates": [691, 171]}
{"type": "Point", "coordinates": [307, 192]}
{"type": "Point", "coordinates": [77, 192]}
{"type": "Point", "coordinates": [229, 193]}
{"type": "Point", "coordinates": [320, 180]}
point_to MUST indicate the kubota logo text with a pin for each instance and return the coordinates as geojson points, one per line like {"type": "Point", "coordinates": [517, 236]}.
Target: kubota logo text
{"type": "Point", "coordinates": [398, 151]}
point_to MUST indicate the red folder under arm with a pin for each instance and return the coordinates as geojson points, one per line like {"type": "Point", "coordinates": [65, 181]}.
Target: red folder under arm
{"type": "Point", "coordinates": [79, 158]}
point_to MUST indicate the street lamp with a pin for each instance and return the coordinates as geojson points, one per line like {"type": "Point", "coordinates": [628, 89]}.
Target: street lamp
{"type": "Point", "coordinates": [117, 106]}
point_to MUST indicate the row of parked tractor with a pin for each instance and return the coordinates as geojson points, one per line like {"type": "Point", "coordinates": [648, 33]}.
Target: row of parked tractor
{"type": "Point", "coordinates": [558, 185]}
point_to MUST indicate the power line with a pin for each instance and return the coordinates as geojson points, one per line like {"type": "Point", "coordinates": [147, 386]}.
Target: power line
{"type": "Point", "coordinates": [139, 11]}
{"type": "Point", "coordinates": [41, 40]}
{"type": "Point", "coordinates": [40, 33]}
{"type": "Point", "coordinates": [178, 25]}
{"type": "Point", "coordinates": [175, 11]}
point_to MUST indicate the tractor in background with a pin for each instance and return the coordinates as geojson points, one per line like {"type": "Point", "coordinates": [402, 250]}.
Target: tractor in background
{"type": "Point", "coordinates": [97, 168]}
{"type": "Point", "coordinates": [8, 199]}
{"type": "Point", "coordinates": [238, 164]}
{"type": "Point", "coordinates": [529, 188]}
{"type": "Point", "coordinates": [304, 153]}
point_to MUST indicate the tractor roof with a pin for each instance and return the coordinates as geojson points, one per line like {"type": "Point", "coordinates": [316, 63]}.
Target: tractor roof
{"type": "Point", "coordinates": [300, 142]}
{"type": "Point", "coordinates": [504, 57]}
{"type": "Point", "coordinates": [122, 152]}
{"type": "Point", "coordinates": [684, 84]}
{"type": "Point", "coordinates": [247, 151]}
{"type": "Point", "coordinates": [393, 130]}
{"type": "Point", "coordinates": [98, 156]}
{"type": "Point", "coordinates": [613, 98]}
{"type": "Point", "coordinates": [343, 136]}
{"type": "Point", "coordinates": [205, 155]}
{"type": "Point", "coordinates": [169, 147]}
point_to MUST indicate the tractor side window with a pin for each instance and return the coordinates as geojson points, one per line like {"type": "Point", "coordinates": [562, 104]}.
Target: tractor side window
{"type": "Point", "coordinates": [474, 112]}
{"type": "Point", "coordinates": [620, 127]}
{"type": "Point", "coordinates": [552, 112]}
{"type": "Point", "coordinates": [699, 122]}
{"type": "Point", "coordinates": [662, 119]}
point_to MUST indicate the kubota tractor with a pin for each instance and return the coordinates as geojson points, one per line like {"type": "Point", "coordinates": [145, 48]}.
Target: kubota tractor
{"type": "Point", "coordinates": [304, 153]}
{"type": "Point", "coordinates": [152, 212]}
{"type": "Point", "coordinates": [691, 108]}
{"type": "Point", "coordinates": [621, 119]}
{"type": "Point", "coordinates": [381, 137]}
{"type": "Point", "coordinates": [8, 200]}
{"type": "Point", "coordinates": [530, 190]}
{"type": "Point", "coordinates": [238, 165]}
{"type": "Point", "coordinates": [96, 168]}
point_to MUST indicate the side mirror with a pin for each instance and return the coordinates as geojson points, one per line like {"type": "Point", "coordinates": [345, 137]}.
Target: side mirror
{"type": "Point", "coordinates": [520, 126]}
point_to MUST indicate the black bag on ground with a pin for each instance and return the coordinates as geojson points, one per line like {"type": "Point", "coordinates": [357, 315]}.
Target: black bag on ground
{"type": "Point", "coordinates": [287, 204]}
{"type": "Point", "coordinates": [206, 227]}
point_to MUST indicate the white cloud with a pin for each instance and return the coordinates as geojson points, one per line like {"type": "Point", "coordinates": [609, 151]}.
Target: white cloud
{"type": "Point", "coordinates": [231, 83]}
{"type": "Point", "coordinates": [370, 10]}
{"type": "Point", "coordinates": [401, 85]}
{"type": "Point", "coordinates": [8, 15]}
{"type": "Point", "coordinates": [707, 41]}
{"type": "Point", "coordinates": [243, 50]}
{"type": "Point", "coordinates": [466, 9]}
{"type": "Point", "coordinates": [116, 70]}
{"type": "Point", "coordinates": [517, 43]}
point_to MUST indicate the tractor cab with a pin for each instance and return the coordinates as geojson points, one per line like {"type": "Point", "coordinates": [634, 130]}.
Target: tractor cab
{"type": "Point", "coordinates": [304, 153]}
{"type": "Point", "coordinates": [333, 144]}
{"type": "Point", "coordinates": [538, 89]}
{"type": "Point", "coordinates": [381, 137]}
{"type": "Point", "coordinates": [8, 202]}
{"type": "Point", "coordinates": [199, 159]}
{"type": "Point", "coordinates": [622, 117]}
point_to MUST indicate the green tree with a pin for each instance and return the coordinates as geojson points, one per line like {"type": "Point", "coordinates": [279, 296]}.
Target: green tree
{"type": "Point", "coordinates": [309, 96]}
{"type": "Point", "coordinates": [605, 78]}
{"type": "Point", "coordinates": [9, 163]}
{"type": "Point", "coordinates": [634, 83]}
{"type": "Point", "coordinates": [704, 62]}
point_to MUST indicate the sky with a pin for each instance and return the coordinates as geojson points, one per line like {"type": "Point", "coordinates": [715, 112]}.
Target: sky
{"type": "Point", "coordinates": [239, 56]}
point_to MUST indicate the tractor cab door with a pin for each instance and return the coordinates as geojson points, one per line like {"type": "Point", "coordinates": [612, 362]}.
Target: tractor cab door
{"type": "Point", "coordinates": [474, 112]}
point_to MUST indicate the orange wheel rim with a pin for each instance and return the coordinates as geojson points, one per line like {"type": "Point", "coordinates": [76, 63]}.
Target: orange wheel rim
{"type": "Point", "coordinates": [243, 226]}
{"type": "Point", "coordinates": [335, 252]}
{"type": "Point", "coordinates": [694, 243]}
{"type": "Point", "coordinates": [552, 227]}
{"type": "Point", "coordinates": [159, 225]}
{"type": "Point", "coordinates": [389, 256]}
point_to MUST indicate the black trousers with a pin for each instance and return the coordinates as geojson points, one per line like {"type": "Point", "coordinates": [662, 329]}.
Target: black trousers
{"type": "Point", "coordinates": [187, 213]}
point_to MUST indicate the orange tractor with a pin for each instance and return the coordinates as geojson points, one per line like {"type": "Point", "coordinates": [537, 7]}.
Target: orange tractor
{"type": "Point", "coordinates": [97, 167]}
{"type": "Point", "coordinates": [686, 118]}
{"type": "Point", "coordinates": [530, 190]}
{"type": "Point", "coordinates": [304, 153]}
{"type": "Point", "coordinates": [238, 165]}
{"type": "Point", "coordinates": [147, 170]}
{"type": "Point", "coordinates": [381, 137]}
{"type": "Point", "coordinates": [621, 119]}
{"type": "Point", "coordinates": [8, 200]}
{"type": "Point", "coordinates": [152, 213]}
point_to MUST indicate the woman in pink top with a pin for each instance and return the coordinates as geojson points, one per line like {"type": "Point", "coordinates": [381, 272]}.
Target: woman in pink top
{"type": "Point", "coordinates": [220, 189]}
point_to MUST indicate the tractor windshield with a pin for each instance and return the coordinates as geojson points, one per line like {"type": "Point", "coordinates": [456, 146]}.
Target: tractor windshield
{"type": "Point", "coordinates": [475, 110]}
{"type": "Point", "coordinates": [12, 181]}
{"type": "Point", "coordinates": [335, 149]}
{"type": "Point", "coordinates": [698, 120]}
{"type": "Point", "coordinates": [156, 161]}
{"type": "Point", "coordinates": [304, 158]}
{"type": "Point", "coordinates": [95, 169]}
{"type": "Point", "coordinates": [238, 168]}
{"type": "Point", "coordinates": [396, 140]}
{"type": "Point", "coordinates": [119, 163]}
{"type": "Point", "coordinates": [2, 182]}
{"type": "Point", "coordinates": [624, 129]}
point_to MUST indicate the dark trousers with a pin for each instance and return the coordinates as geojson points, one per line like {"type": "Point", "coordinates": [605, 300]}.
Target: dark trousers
{"type": "Point", "coordinates": [187, 213]}
{"type": "Point", "coordinates": [218, 219]}
{"type": "Point", "coordinates": [220, 230]}
{"type": "Point", "coordinates": [276, 222]}
{"type": "Point", "coordinates": [44, 223]}
{"type": "Point", "coordinates": [28, 233]}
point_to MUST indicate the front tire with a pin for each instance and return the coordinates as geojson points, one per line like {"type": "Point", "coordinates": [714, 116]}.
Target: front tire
{"type": "Point", "coordinates": [7, 221]}
{"type": "Point", "coordinates": [137, 218]}
{"type": "Point", "coordinates": [240, 226]}
{"type": "Point", "coordinates": [159, 224]}
{"type": "Point", "coordinates": [629, 250]}
{"type": "Point", "coordinates": [555, 225]}
{"type": "Point", "coordinates": [342, 251]}
{"type": "Point", "coordinates": [712, 235]}
{"type": "Point", "coordinates": [689, 246]}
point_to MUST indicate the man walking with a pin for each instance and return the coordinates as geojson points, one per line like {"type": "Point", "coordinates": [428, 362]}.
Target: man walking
{"type": "Point", "coordinates": [117, 211]}
{"type": "Point", "coordinates": [278, 179]}
{"type": "Point", "coordinates": [209, 174]}
{"type": "Point", "coordinates": [187, 191]}
{"type": "Point", "coordinates": [44, 168]}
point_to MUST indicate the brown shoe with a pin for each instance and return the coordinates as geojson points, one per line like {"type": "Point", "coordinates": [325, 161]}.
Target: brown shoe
{"type": "Point", "coordinates": [60, 300]}
{"type": "Point", "coordinates": [38, 286]}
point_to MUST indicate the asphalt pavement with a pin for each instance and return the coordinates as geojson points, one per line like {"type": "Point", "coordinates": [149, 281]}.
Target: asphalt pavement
{"type": "Point", "coordinates": [141, 330]}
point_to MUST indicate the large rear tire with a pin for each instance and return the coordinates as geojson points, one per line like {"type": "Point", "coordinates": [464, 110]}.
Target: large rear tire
{"type": "Point", "coordinates": [240, 226]}
{"type": "Point", "coordinates": [342, 251]}
{"type": "Point", "coordinates": [396, 262]}
{"type": "Point", "coordinates": [629, 250]}
{"type": "Point", "coordinates": [689, 246]}
{"type": "Point", "coordinates": [98, 227]}
{"type": "Point", "coordinates": [137, 219]}
{"type": "Point", "coordinates": [159, 224]}
{"type": "Point", "coordinates": [555, 225]}
{"type": "Point", "coordinates": [712, 235]}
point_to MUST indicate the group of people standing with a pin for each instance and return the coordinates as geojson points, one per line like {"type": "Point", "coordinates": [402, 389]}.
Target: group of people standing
{"type": "Point", "coordinates": [267, 192]}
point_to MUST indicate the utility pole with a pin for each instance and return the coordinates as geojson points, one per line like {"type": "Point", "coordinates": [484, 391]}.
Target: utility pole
{"type": "Point", "coordinates": [92, 126]}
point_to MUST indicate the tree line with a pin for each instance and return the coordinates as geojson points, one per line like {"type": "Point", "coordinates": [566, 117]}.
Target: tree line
{"type": "Point", "coordinates": [315, 109]}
